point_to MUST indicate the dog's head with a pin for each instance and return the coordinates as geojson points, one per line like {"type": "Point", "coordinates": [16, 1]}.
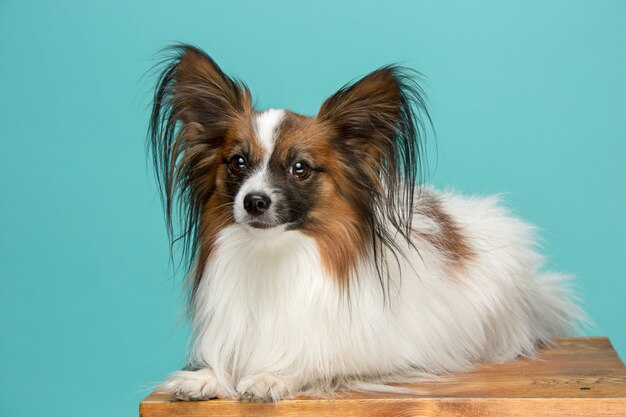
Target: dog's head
{"type": "Point", "coordinates": [344, 177]}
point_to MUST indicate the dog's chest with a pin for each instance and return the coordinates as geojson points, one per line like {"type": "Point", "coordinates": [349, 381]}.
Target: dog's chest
{"type": "Point", "coordinates": [261, 299]}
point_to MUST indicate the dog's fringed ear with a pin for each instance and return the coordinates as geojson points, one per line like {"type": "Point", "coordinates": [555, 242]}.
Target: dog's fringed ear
{"type": "Point", "coordinates": [194, 103]}
{"type": "Point", "coordinates": [365, 112]}
{"type": "Point", "coordinates": [201, 93]}
{"type": "Point", "coordinates": [379, 115]}
{"type": "Point", "coordinates": [378, 125]}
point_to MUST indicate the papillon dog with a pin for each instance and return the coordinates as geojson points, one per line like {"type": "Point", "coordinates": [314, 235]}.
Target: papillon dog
{"type": "Point", "coordinates": [316, 260]}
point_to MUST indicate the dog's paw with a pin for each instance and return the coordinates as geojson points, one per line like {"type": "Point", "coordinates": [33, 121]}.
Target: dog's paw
{"type": "Point", "coordinates": [267, 387]}
{"type": "Point", "coordinates": [192, 385]}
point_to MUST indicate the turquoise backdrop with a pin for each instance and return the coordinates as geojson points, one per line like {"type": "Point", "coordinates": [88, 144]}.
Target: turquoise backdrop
{"type": "Point", "coordinates": [528, 98]}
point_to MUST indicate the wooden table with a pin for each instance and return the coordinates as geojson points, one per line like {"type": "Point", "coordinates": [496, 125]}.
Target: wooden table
{"type": "Point", "coordinates": [579, 377]}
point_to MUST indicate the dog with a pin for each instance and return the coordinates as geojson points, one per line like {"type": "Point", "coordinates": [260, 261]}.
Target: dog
{"type": "Point", "coordinates": [317, 262]}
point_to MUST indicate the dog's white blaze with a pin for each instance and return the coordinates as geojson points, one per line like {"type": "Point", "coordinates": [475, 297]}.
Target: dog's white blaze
{"type": "Point", "coordinates": [267, 128]}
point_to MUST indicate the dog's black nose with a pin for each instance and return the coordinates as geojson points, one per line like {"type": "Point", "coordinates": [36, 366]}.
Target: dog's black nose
{"type": "Point", "coordinates": [256, 203]}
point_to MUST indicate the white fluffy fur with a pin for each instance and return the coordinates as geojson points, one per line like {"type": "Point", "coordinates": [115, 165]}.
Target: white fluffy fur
{"type": "Point", "coordinates": [268, 322]}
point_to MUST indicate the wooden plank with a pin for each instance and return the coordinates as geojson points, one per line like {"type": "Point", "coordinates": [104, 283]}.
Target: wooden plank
{"type": "Point", "coordinates": [577, 377]}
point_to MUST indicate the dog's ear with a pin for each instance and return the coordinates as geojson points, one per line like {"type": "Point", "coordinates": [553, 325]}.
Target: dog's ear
{"type": "Point", "coordinates": [380, 121]}
{"type": "Point", "coordinates": [199, 93]}
{"type": "Point", "coordinates": [194, 105]}
{"type": "Point", "coordinates": [377, 126]}
{"type": "Point", "coordinates": [365, 114]}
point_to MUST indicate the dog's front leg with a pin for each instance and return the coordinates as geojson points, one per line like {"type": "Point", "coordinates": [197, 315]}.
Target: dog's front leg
{"type": "Point", "coordinates": [193, 385]}
{"type": "Point", "coordinates": [266, 387]}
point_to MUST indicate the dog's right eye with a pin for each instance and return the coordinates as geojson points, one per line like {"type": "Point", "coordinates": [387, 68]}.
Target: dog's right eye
{"type": "Point", "coordinates": [237, 164]}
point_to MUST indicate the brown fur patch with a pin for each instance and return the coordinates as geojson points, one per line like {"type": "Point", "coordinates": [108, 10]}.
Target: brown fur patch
{"type": "Point", "coordinates": [449, 237]}
{"type": "Point", "coordinates": [338, 233]}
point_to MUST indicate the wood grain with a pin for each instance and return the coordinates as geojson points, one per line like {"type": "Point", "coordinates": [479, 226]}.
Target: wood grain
{"type": "Point", "coordinates": [576, 377]}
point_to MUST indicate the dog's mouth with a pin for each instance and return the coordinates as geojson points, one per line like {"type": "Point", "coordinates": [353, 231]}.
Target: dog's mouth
{"type": "Point", "coordinates": [261, 225]}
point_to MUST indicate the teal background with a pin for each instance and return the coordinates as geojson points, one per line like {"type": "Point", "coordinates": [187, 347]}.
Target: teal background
{"type": "Point", "coordinates": [528, 98]}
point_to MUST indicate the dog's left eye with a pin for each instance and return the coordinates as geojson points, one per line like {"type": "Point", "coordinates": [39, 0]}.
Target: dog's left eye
{"type": "Point", "coordinates": [300, 170]}
{"type": "Point", "coordinates": [237, 164]}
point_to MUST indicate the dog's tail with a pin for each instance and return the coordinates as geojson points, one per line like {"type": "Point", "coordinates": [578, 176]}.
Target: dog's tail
{"type": "Point", "coordinates": [556, 308]}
